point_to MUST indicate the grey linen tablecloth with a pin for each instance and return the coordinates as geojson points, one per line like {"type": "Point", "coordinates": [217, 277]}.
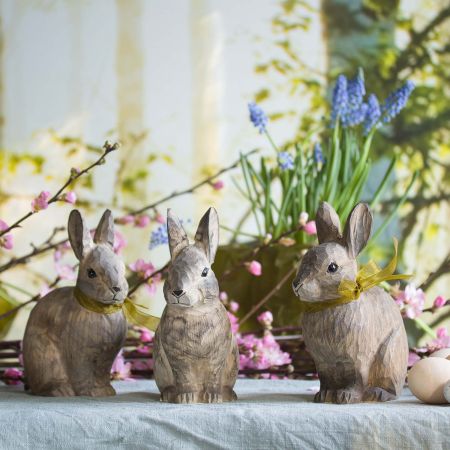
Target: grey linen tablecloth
{"type": "Point", "coordinates": [270, 414]}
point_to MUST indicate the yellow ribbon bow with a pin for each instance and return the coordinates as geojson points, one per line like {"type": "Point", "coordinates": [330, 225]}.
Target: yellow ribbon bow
{"type": "Point", "coordinates": [367, 277]}
{"type": "Point", "coordinates": [131, 310]}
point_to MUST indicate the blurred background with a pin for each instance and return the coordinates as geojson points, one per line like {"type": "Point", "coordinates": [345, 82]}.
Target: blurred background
{"type": "Point", "coordinates": [171, 81]}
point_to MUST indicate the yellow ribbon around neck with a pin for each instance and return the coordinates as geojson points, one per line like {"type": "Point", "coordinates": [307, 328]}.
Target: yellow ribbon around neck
{"type": "Point", "coordinates": [131, 310]}
{"type": "Point", "coordinates": [367, 277]}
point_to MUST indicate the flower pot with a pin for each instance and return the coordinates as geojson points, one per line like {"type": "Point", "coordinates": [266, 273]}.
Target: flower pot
{"type": "Point", "coordinates": [246, 289]}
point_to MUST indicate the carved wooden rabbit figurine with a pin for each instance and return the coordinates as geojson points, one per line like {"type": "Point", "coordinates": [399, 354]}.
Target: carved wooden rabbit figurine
{"type": "Point", "coordinates": [360, 348]}
{"type": "Point", "coordinates": [195, 353]}
{"type": "Point", "coordinates": [67, 349]}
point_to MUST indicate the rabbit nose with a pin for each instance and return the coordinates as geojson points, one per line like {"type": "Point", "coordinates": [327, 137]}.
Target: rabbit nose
{"type": "Point", "coordinates": [178, 293]}
{"type": "Point", "coordinates": [116, 289]}
{"type": "Point", "coordinates": [297, 284]}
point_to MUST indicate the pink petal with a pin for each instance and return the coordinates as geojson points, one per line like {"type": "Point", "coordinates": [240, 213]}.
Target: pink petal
{"type": "Point", "coordinates": [310, 228]}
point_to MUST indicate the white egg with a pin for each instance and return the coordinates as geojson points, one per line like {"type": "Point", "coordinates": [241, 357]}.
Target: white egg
{"type": "Point", "coordinates": [427, 379]}
{"type": "Point", "coordinates": [443, 353]}
{"type": "Point", "coordinates": [447, 392]}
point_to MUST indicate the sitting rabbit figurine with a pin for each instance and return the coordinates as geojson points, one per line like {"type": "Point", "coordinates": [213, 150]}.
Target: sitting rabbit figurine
{"type": "Point", "coordinates": [360, 348]}
{"type": "Point", "coordinates": [195, 353]}
{"type": "Point", "coordinates": [68, 350]}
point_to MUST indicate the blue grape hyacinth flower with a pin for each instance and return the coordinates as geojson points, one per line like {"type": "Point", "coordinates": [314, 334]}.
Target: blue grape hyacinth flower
{"type": "Point", "coordinates": [397, 101]}
{"type": "Point", "coordinates": [356, 108]}
{"type": "Point", "coordinates": [258, 116]}
{"type": "Point", "coordinates": [318, 153]}
{"type": "Point", "coordinates": [285, 161]}
{"type": "Point", "coordinates": [373, 113]}
{"type": "Point", "coordinates": [340, 99]}
{"type": "Point", "coordinates": [159, 237]}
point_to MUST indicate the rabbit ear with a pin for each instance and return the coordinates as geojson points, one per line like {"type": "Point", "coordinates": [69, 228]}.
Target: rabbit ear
{"type": "Point", "coordinates": [357, 229]}
{"type": "Point", "coordinates": [207, 235]}
{"type": "Point", "coordinates": [177, 236]}
{"type": "Point", "coordinates": [104, 234]}
{"type": "Point", "coordinates": [327, 224]}
{"type": "Point", "coordinates": [79, 235]}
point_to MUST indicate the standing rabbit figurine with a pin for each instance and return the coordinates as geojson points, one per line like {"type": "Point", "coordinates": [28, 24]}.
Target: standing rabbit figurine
{"type": "Point", "coordinates": [195, 353]}
{"type": "Point", "coordinates": [68, 349]}
{"type": "Point", "coordinates": [360, 347]}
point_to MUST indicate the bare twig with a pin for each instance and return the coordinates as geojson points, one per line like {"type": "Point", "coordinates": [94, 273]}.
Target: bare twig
{"type": "Point", "coordinates": [433, 276]}
{"type": "Point", "coordinates": [142, 281]}
{"type": "Point", "coordinates": [268, 296]}
{"type": "Point", "coordinates": [37, 250]}
{"type": "Point", "coordinates": [74, 175]}
{"type": "Point", "coordinates": [31, 300]}
{"type": "Point", "coordinates": [192, 188]}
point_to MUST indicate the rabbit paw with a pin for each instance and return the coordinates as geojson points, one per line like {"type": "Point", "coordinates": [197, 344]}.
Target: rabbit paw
{"type": "Point", "coordinates": [63, 390]}
{"type": "Point", "coordinates": [228, 395]}
{"type": "Point", "coordinates": [325, 396]}
{"type": "Point", "coordinates": [377, 394]}
{"type": "Point", "coordinates": [343, 396]}
{"type": "Point", "coordinates": [187, 397]}
{"type": "Point", "coordinates": [168, 395]}
{"type": "Point", "coordinates": [212, 396]}
{"type": "Point", "coordinates": [101, 391]}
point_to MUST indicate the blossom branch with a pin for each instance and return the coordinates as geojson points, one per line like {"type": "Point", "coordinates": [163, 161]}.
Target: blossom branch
{"type": "Point", "coordinates": [47, 245]}
{"type": "Point", "coordinates": [193, 188]}
{"type": "Point", "coordinates": [255, 251]}
{"type": "Point", "coordinates": [31, 300]}
{"type": "Point", "coordinates": [268, 296]}
{"type": "Point", "coordinates": [145, 280]}
{"type": "Point", "coordinates": [74, 175]}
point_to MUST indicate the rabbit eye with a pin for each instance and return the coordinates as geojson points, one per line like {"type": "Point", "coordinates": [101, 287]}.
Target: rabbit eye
{"type": "Point", "coordinates": [91, 273]}
{"type": "Point", "coordinates": [205, 272]}
{"type": "Point", "coordinates": [332, 267]}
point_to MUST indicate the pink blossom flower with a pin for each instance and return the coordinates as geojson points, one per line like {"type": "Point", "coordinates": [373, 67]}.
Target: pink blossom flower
{"type": "Point", "coordinates": [142, 364]}
{"type": "Point", "coordinates": [411, 301]}
{"type": "Point", "coordinates": [70, 197]}
{"type": "Point", "coordinates": [41, 201]}
{"type": "Point", "coordinates": [413, 358]}
{"type": "Point", "coordinates": [13, 376]}
{"type": "Point", "coordinates": [126, 220]}
{"type": "Point", "coordinates": [234, 322]}
{"type": "Point", "coordinates": [223, 296]}
{"type": "Point", "coordinates": [142, 221]}
{"type": "Point", "coordinates": [6, 241]}
{"type": "Point", "coordinates": [160, 218]}
{"type": "Point", "coordinates": [234, 306]}
{"type": "Point", "coordinates": [254, 268]}
{"type": "Point", "coordinates": [310, 228]}
{"type": "Point", "coordinates": [146, 335]}
{"type": "Point", "coordinates": [121, 370]}
{"type": "Point", "coordinates": [265, 318]}
{"type": "Point", "coordinates": [439, 302]}
{"type": "Point", "coordinates": [143, 350]}
{"type": "Point", "coordinates": [303, 218]}
{"type": "Point", "coordinates": [143, 269]}
{"type": "Point", "coordinates": [119, 242]}
{"type": "Point", "coordinates": [261, 353]}
{"type": "Point", "coordinates": [218, 185]}
{"type": "Point", "coordinates": [13, 373]}
{"type": "Point", "coordinates": [66, 272]}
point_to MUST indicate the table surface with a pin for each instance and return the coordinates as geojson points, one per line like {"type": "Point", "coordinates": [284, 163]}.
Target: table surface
{"type": "Point", "coordinates": [270, 414]}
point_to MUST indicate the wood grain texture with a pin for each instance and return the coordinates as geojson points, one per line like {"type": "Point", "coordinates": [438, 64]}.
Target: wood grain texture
{"type": "Point", "coordinates": [68, 350]}
{"type": "Point", "coordinates": [195, 353]}
{"type": "Point", "coordinates": [360, 348]}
